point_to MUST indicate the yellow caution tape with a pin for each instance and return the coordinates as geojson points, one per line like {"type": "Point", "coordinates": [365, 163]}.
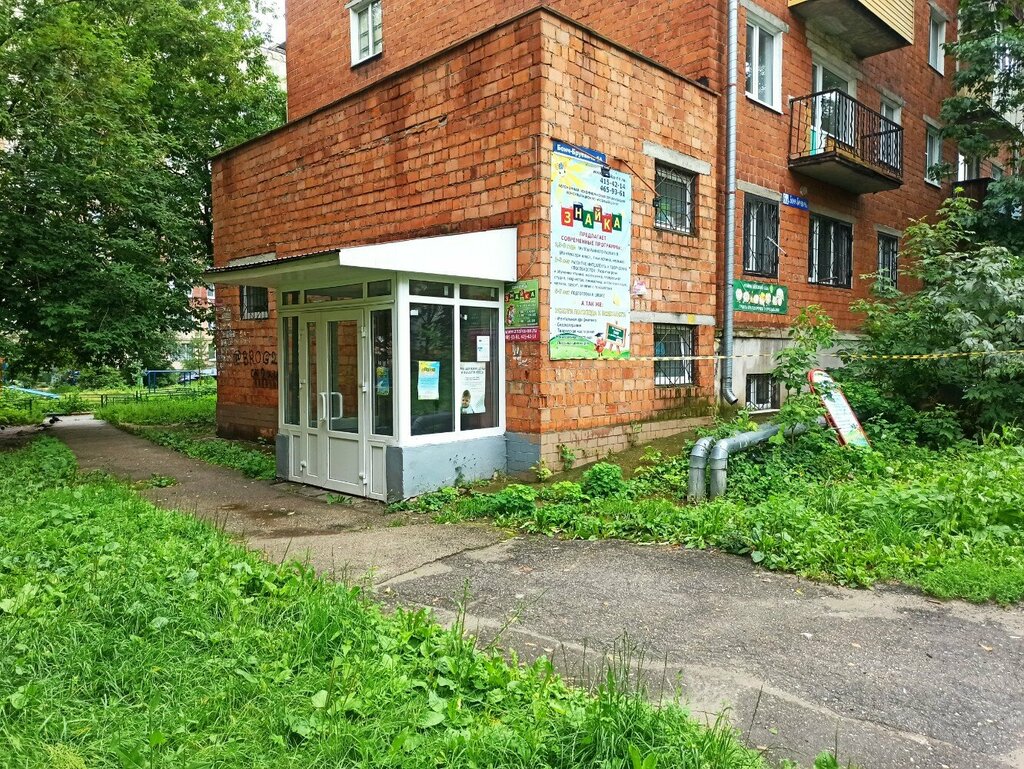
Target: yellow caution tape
{"type": "Point", "coordinates": [918, 356]}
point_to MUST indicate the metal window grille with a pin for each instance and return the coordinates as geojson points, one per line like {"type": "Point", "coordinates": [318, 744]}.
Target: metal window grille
{"type": "Point", "coordinates": [674, 209]}
{"type": "Point", "coordinates": [760, 237]}
{"type": "Point", "coordinates": [255, 303]}
{"type": "Point", "coordinates": [673, 341]}
{"type": "Point", "coordinates": [762, 392]}
{"type": "Point", "coordinates": [830, 253]}
{"type": "Point", "coordinates": [888, 257]}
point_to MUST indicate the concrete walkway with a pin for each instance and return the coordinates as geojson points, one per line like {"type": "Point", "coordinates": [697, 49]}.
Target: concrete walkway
{"type": "Point", "coordinates": [896, 679]}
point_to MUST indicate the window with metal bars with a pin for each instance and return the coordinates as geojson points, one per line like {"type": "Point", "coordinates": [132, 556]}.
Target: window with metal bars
{"type": "Point", "coordinates": [760, 236]}
{"type": "Point", "coordinates": [762, 392]}
{"type": "Point", "coordinates": [672, 340]}
{"type": "Point", "coordinates": [255, 302]}
{"type": "Point", "coordinates": [888, 257]}
{"type": "Point", "coordinates": [674, 209]}
{"type": "Point", "coordinates": [830, 252]}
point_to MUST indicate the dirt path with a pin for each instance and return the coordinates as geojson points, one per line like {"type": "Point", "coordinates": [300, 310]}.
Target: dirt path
{"type": "Point", "coordinates": [896, 679]}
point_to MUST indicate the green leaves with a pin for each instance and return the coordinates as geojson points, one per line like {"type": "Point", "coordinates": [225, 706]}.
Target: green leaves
{"type": "Point", "coordinates": [109, 112]}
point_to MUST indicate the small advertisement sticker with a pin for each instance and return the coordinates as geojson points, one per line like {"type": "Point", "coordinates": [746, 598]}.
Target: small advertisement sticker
{"type": "Point", "coordinates": [522, 311]}
{"type": "Point", "coordinates": [767, 298]}
{"type": "Point", "coordinates": [428, 384]}
{"type": "Point", "coordinates": [840, 414]}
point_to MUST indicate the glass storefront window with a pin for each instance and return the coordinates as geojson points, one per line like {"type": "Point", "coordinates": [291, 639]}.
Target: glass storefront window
{"type": "Point", "coordinates": [312, 391]}
{"type": "Point", "coordinates": [378, 288]}
{"type": "Point", "coordinates": [478, 293]}
{"type": "Point", "coordinates": [383, 372]}
{"type": "Point", "coordinates": [334, 293]}
{"type": "Point", "coordinates": [431, 380]}
{"type": "Point", "coordinates": [290, 297]}
{"type": "Point", "coordinates": [290, 364]}
{"type": "Point", "coordinates": [431, 288]}
{"type": "Point", "coordinates": [478, 385]}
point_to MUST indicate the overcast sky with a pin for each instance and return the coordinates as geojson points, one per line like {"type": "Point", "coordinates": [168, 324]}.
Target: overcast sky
{"type": "Point", "coordinates": [274, 25]}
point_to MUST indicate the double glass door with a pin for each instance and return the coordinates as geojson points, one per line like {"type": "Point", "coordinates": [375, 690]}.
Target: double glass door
{"type": "Point", "coordinates": [327, 408]}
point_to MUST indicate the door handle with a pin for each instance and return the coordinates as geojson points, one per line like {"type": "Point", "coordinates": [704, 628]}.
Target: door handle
{"type": "Point", "coordinates": [322, 398]}
{"type": "Point", "coordinates": [341, 403]}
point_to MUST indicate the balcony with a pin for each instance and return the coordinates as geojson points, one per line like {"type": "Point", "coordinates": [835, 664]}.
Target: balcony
{"type": "Point", "coordinates": [870, 27]}
{"type": "Point", "coordinates": [836, 139]}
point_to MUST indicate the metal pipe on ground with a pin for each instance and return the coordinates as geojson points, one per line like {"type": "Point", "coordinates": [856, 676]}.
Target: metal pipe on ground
{"type": "Point", "coordinates": [723, 449]}
{"type": "Point", "coordinates": [698, 464]}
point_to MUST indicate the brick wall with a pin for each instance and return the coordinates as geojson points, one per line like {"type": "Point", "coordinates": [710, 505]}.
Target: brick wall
{"type": "Point", "coordinates": [762, 160]}
{"type": "Point", "coordinates": [600, 96]}
{"type": "Point", "coordinates": [319, 53]}
{"type": "Point", "coordinates": [463, 143]}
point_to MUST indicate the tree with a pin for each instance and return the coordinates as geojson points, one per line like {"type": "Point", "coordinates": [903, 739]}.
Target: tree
{"type": "Point", "coordinates": [971, 301]}
{"type": "Point", "coordinates": [986, 116]}
{"type": "Point", "coordinates": [109, 113]}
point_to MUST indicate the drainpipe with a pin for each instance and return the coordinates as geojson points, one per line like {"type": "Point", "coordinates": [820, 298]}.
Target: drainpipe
{"type": "Point", "coordinates": [698, 462]}
{"type": "Point", "coordinates": [732, 55]}
{"type": "Point", "coordinates": [719, 462]}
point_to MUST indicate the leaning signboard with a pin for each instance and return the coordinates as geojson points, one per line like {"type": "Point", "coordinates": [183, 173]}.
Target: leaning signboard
{"type": "Point", "coordinates": [591, 224]}
{"type": "Point", "coordinates": [840, 414]}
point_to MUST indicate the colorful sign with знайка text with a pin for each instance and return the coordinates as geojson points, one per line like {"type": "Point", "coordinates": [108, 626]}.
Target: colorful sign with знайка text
{"type": "Point", "coordinates": [840, 413]}
{"type": "Point", "coordinates": [591, 256]}
{"type": "Point", "coordinates": [522, 311]}
{"type": "Point", "coordinates": [768, 298]}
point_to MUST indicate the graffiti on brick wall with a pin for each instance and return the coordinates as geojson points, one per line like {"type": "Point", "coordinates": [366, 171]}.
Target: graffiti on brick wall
{"type": "Point", "coordinates": [264, 366]}
{"type": "Point", "coordinates": [264, 378]}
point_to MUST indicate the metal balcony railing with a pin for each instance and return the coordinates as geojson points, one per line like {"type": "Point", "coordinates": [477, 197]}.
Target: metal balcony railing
{"type": "Point", "coordinates": [833, 127]}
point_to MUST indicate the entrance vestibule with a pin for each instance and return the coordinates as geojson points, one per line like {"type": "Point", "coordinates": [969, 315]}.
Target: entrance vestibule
{"type": "Point", "coordinates": [391, 382]}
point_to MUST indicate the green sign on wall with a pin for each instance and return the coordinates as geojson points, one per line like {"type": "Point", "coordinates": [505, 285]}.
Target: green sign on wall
{"type": "Point", "coordinates": [522, 311]}
{"type": "Point", "coordinates": [769, 298]}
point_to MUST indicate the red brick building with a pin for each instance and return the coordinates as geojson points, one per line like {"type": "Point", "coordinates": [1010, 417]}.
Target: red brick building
{"type": "Point", "coordinates": [440, 158]}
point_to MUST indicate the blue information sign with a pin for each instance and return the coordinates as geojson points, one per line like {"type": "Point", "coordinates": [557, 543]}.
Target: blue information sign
{"type": "Point", "coordinates": [794, 201]}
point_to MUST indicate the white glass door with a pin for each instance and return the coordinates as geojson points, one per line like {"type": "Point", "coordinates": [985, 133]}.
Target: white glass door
{"type": "Point", "coordinates": [343, 402]}
{"type": "Point", "coordinates": [833, 114]}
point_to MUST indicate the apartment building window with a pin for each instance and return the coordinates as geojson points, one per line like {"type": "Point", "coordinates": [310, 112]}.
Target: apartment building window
{"type": "Point", "coordinates": [764, 63]}
{"type": "Point", "coordinates": [760, 236]}
{"type": "Point", "coordinates": [676, 190]}
{"type": "Point", "coordinates": [937, 41]}
{"type": "Point", "coordinates": [830, 250]}
{"type": "Point", "coordinates": [933, 155]}
{"type": "Point", "coordinates": [672, 340]}
{"type": "Point", "coordinates": [890, 139]}
{"type": "Point", "coordinates": [762, 392]}
{"type": "Point", "coordinates": [255, 301]}
{"type": "Point", "coordinates": [888, 259]}
{"type": "Point", "coordinates": [367, 29]}
{"type": "Point", "coordinates": [967, 168]}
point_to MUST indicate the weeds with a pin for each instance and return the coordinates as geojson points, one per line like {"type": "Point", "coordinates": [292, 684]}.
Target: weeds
{"type": "Point", "coordinates": [950, 522]}
{"type": "Point", "coordinates": [132, 636]}
{"type": "Point", "coordinates": [216, 451]}
{"type": "Point", "coordinates": [192, 412]}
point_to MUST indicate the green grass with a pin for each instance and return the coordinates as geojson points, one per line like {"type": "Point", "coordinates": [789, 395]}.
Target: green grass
{"type": "Point", "coordinates": [949, 522]}
{"type": "Point", "coordinates": [196, 412]}
{"type": "Point", "coordinates": [136, 637]}
{"type": "Point", "coordinates": [215, 451]}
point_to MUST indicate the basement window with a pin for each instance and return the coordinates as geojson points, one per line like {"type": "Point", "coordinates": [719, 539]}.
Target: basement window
{"type": "Point", "coordinates": [366, 29]}
{"type": "Point", "coordinates": [762, 393]}
{"type": "Point", "coordinates": [672, 342]}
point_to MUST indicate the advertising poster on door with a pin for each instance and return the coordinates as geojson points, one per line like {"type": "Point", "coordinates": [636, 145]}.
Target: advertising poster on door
{"type": "Point", "coordinates": [591, 256]}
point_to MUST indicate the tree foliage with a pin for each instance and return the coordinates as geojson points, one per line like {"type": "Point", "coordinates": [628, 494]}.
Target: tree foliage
{"type": "Point", "coordinates": [109, 113]}
{"type": "Point", "coordinates": [971, 301]}
{"type": "Point", "coordinates": [985, 117]}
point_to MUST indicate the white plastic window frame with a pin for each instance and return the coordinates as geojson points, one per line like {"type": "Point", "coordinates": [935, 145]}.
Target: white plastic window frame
{"type": "Point", "coordinates": [932, 153]}
{"type": "Point", "coordinates": [760, 24]}
{"type": "Point", "coordinates": [356, 8]}
{"type": "Point", "coordinates": [403, 355]}
{"type": "Point", "coordinates": [937, 41]}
